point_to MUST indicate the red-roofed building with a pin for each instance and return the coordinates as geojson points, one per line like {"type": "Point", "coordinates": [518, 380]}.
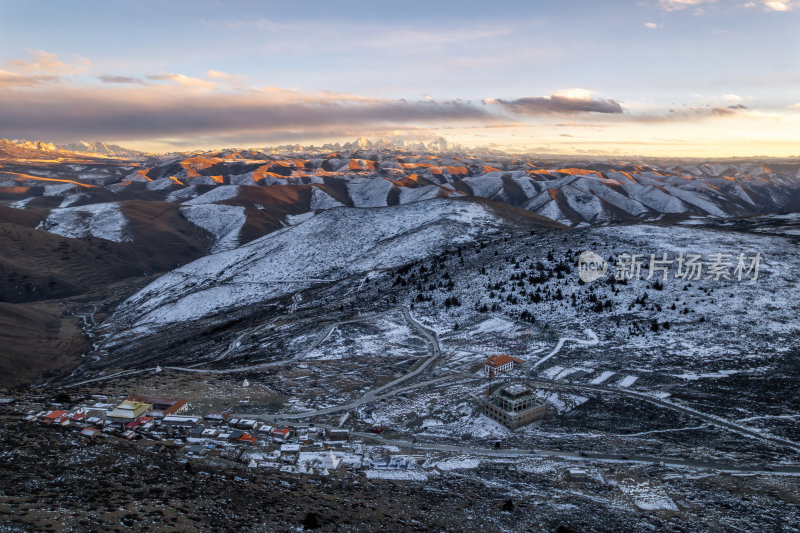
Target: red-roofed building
{"type": "Point", "coordinates": [92, 433]}
{"type": "Point", "coordinates": [281, 434]}
{"type": "Point", "coordinates": [499, 363]}
{"type": "Point", "coordinates": [246, 437]}
{"type": "Point", "coordinates": [54, 417]}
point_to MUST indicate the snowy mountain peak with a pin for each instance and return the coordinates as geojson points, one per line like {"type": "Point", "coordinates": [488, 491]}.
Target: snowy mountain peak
{"type": "Point", "coordinates": [101, 148]}
{"type": "Point", "coordinates": [35, 145]}
{"type": "Point", "coordinates": [438, 145]}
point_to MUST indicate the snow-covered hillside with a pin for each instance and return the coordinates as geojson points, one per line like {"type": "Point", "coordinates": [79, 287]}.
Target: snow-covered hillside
{"type": "Point", "coordinates": [104, 221]}
{"type": "Point", "coordinates": [295, 180]}
{"type": "Point", "coordinates": [223, 221]}
{"type": "Point", "coordinates": [332, 245]}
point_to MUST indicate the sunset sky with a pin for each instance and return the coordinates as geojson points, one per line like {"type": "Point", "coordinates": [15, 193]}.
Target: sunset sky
{"type": "Point", "coordinates": [655, 77]}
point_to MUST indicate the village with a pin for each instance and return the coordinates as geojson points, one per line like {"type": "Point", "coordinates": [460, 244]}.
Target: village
{"type": "Point", "coordinates": [300, 448]}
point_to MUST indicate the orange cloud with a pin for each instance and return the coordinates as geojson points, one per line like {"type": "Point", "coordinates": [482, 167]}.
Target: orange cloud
{"type": "Point", "coordinates": [47, 62]}
{"type": "Point", "coordinates": [182, 79]}
{"type": "Point", "coordinates": [125, 112]}
{"type": "Point", "coordinates": [10, 80]}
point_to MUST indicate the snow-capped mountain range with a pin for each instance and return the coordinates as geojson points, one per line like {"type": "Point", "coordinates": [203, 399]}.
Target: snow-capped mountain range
{"type": "Point", "coordinates": [232, 228]}
{"type": "Point", "coordinates": [261, 190]}
{"type": "Point", "coordinates": [81, 147]}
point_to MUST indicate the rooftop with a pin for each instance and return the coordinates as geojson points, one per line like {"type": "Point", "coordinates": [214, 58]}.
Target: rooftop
{"type": "Point", "coordinates": [502, 359]}
{"type": "Point", "coordinates": [131, 404]}
{"type": "Point", "coordinates": [516, 390]}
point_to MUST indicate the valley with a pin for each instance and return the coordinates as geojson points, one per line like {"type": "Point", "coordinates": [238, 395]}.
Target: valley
{"type": "Point", "coordinates": [366, 297]}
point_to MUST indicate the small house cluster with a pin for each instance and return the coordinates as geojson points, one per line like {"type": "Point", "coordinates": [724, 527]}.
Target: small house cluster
{"type": "Point", "coordinates": [300, 448]}
{"type": "Point", "coordinates": [165, 418]}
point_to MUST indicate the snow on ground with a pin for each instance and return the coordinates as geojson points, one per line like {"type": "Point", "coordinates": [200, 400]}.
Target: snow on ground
{"type": "Point", "coordinates": [58, 190]}
{"type": "Point", "coordinates": [104, 221]}
{"type": "Point", "coordinates": [691, 376]}
{"type": "Point", "coordinates": [223, 221]}
{"type": "Point", "coordinates": [588, 206]}
{"type": "Point", "coordinates": [486, 185]}
{"type": "Point", "coordinates": [456, 463]}
{"type": "Point", "coordinates": [552, 371]}
{"type": "Point", "coordinates": [322, 200]}
{"type": "Point", "coordinates": [561, 401]}
{"type": "Point", "coordinates": [416, 194]}
{"type": "Point", "coordinates": [567, 371]}
{"type": "Point", "coordinates": [627, 381]}
{"type": "Point", "coordinates": [217, 194]}
{"type": "Point", "coordinates": [369, 192]}
{"type": "Point", "coordinates": [72, 198]}
{"type": "Point", "coordinates": [408, 475]}
{"type": "Point", "coordinates": [495, 325]}
{"type": "Point", "coordinates": [602, 377]}
{"type": "Point", "coordinates": [647, 497]}
{"type": "Point", "coordinates": [181, 195]}
{"type": "Point", "coordinates": [21, 204]}
{"type": "Point", "coordinates": [297, 219]}
{"type": "Point", "coordinates": [483, 427]}
{"type": "Point", "coordinates": [334, 244]}
{"type": "Point", "coordinates": [160, 184]}
{"type": "Point", "coordinates": [390, 339]}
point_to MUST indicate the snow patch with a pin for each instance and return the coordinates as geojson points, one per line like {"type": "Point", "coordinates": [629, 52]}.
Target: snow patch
{"type": "Point", "coordinates": [218, 194]}
{"type": "Point", "coordinates": [104, 221]}
{"type": "Point", "coordinates": [223, 221]}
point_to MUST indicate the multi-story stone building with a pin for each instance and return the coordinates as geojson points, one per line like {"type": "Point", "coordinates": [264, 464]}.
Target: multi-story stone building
{"type": "Point", "coordinates": [513, 406]}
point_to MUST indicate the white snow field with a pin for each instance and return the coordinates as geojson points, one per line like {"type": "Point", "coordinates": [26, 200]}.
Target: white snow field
{"type": "Point", "coordinates": [223, 221]}
{"type": "Point", "coordinates": [104, 221]}
{"type": "Point", "coordinates": [332, 245]}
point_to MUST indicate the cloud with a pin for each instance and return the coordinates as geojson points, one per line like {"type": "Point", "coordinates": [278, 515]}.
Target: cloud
{"type": "Point", "coordinates": [157, 111]}
{"type": "Point", "coordinates": [778, 6]}
{"type": "Point", "coordinates": [43, 67]}
{"type": "Point", "coordinates": [226, 79]}
{"type": "Point", "coordinates": [573, 124]}
{"type": "Point", "coordinates": [10, 80]}
{"type": "Point", "coordinates": [47, 62]}
{"type": "Point", "coordinates": [676, 5]}
{"type": "Point", "coordinates": [109, 78]}
{"type": "Point", "coordinates": [794, 106]}
{"type": "Point", "coordinates": [651, 25]}
{"type": "Point", "coordinates": [565, 102]}
{"type": "Point", "coordinates": [731, 97]}
{"type": "Point", "coordinates": [692, 114]}
{"type": "Point", "coordinates": [218, 75]}
{"type": "Point", "coordinates": [182, 79]}
{"type": "Point", "coordinates": [775, 5]}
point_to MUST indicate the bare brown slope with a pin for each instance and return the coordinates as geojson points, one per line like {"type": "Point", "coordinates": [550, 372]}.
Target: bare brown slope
{"type": "Point", "coordinates": [516, 215]}
{"type": "Point", "coordinates": [267, 207]}
{"type": "Point", "coordinates": [35, 338]}
{"type": "Point", "coordinates": [36, 265]}
{"type": "Point", "coordinates": [163, 236]}
{"type": "Point", "coordinates": [23, 217]}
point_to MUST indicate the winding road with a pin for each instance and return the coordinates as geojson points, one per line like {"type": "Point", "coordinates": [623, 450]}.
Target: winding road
{"type": "Point", "coordinates": [385, 391]}
{"type": "Point", "coordinates": [375, 394]}
{"type": "Point", "coordinates": [591, 342]}
{"type": "Point", "coordinates": [232, 347]}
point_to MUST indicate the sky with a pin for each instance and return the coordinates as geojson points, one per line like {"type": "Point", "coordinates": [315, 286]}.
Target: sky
{"type": "Point", "coordinates": [683, 78]}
